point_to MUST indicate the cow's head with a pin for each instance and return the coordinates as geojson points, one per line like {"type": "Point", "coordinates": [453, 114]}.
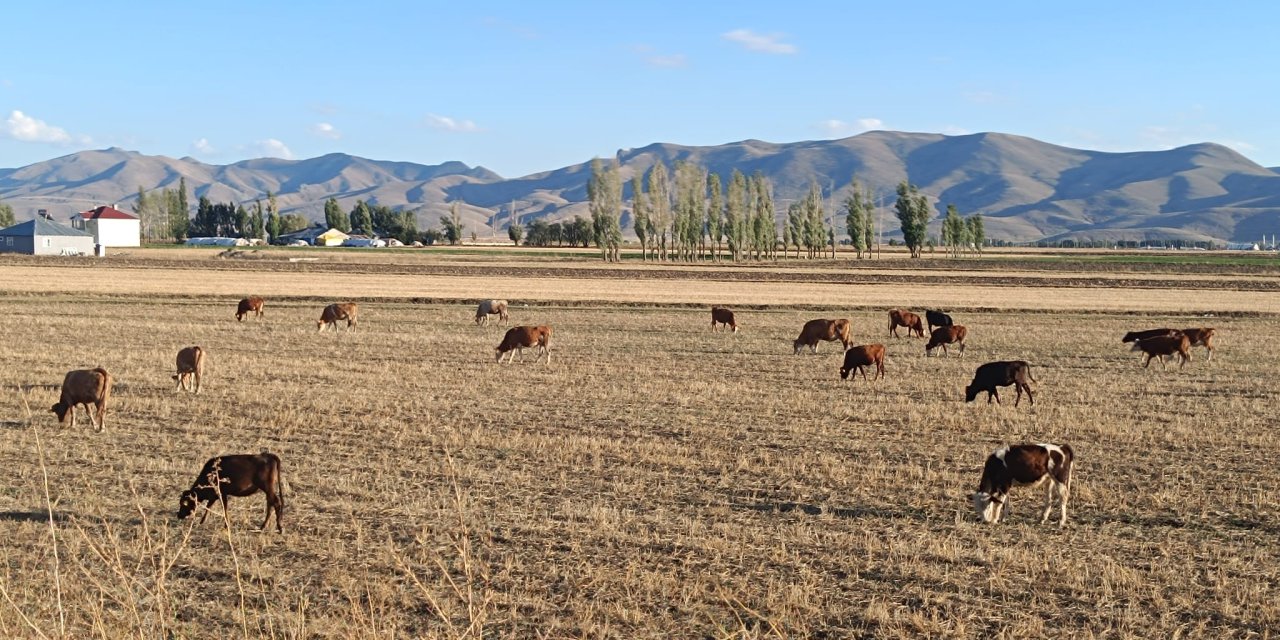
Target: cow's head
{"type": "Point", "coordinates": [970, 393]}
{"type": "Point", "coordinates": [186, 504]}
{"type": "Point", "coordinates": [986, 504]}
{"type": "Point", "coordinates": [61, 410]}
{"type": "Point", "coordinates": [844, 373]}
{"type": "Point", "coordinates": [797, 346]}
{"type": "Point", "coordinates": [498, 352]}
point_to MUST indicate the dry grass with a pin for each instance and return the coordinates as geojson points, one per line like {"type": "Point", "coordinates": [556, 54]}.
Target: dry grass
{"type": "Point", "coordinates": [659, 480]}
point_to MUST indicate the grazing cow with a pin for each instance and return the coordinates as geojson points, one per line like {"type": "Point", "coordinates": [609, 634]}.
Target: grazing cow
{"type": "Point", "coordinates": [1001, 374]}
{"type": "Point", "coordinates": [252, 304]}
{"type": "Point", "coordinates": [1020, 465]}
{"type": "Point", "coordinates": [863, 356]}
{"type": "Point", "coordinates": [190, 367]}
{"type": "Point", "coordinates": [491, 308]}
{"type": "Point", "coordinates": [900, 318]}
{"type": "Point", "coordinates": [828, 330]}
{"type": "Point", "coordinates": [1202, 337]}
{"type": "Point", "coordinates": [723, 316]}
{"type": "Point", "coordinates": [518, 338]}
{"type": "Point", "coordinates": [1134, 336]}
{"type": "Point", "coordinates": [86, 387]}
{"type": "Point", "coordinates": [338, 311]}
{"type": "Point", "coordinates": [237, 475]}
{"type": "Point", "coordinates": [943, 336]}
{"type": "Point", "coordinates": [1163, 346]}
{"type": "Point", "coordinates": [936, 319]}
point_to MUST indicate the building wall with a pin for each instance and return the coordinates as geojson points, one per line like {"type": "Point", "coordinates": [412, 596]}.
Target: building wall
{"type": "Point", "coordinates": [55, 245]}
{"type": "Point", "coordinates": [16, 244]}
{"type": "Point", "coordinates": [116, 233]}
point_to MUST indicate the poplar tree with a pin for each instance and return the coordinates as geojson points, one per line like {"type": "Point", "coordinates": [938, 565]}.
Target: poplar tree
{"type": "Point", "coordinates": [735, 215]}
{"type": "Point", "coordinates": [660, 207]}
{"type": "Point", "coordinates": [334, 218]}
{"type": "Point", "coordinates": [857, 214]}
{"type": "Point", "coordinates": [640, 214]}
{"type": "Point", "coordinates": [912, 209]}
{"type": "Point", "coordinates": [715, 215]}
{"type": "Point", "coordinates": [977, 235]}
{"type": "Point", "coordinates": [604, 193]}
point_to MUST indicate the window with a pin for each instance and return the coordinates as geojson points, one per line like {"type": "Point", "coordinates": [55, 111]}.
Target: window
{"type": "Point", "coordinates": [8, 241]}
{"type": "Point", "coordinates": [48, 242]}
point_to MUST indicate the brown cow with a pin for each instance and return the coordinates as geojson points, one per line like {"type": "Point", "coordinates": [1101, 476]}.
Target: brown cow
{"type": "Point", "coordinates": [943, 336]}
{"type": "Point", "coordinates": [900, 318]}
{"type": "Point", "coordinates": [237, 475]}
{"type": "Point", "coordinates": [863, 356]}
{"type": "Point", "coordinates": [1202, 337]}
{"type": "Point", "coordinates": [86, 387]}
{"type": "Point", "coordinates": [723, 316]}
{"type": "Point", "coordinates": [338, 311]}
{"type": "Point", "coordinates": [1162, 346]}
{"type": "Point", "coordinates": [190, 366]}
{"type": "Point", "coordinates": [518, 338]}
{"type": "Point", "coordinates": [252, 304]}
{"type": "Point", "coordinates": [828, 330]}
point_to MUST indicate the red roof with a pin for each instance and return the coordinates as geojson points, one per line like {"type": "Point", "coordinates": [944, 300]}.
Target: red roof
{"type": "Point", "coordinates": [106, 213]}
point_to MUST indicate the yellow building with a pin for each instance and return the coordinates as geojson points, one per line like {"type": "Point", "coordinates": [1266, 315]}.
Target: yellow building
{"type": "Point", "coordinates": [331, 238]}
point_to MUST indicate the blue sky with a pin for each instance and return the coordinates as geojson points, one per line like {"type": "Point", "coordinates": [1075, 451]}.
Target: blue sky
{"type": "Point", "coordinates": [521, 87]}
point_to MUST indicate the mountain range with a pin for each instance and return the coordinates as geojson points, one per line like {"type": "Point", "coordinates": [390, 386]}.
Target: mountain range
{"type": "Point", "coordinates": [1026, 189]}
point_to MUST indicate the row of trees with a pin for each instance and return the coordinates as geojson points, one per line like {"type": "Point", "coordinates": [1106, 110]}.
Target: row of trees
{"type": "Point", "coordinates": [578, 232]}
{"type": "Point", "coordinates": [372, 220]}
{"type": "Point", "coordinates": [163, 214]}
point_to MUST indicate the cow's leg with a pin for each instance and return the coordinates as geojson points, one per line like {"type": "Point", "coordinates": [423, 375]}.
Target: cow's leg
{"type": "Point", "coordinates": [962, 347]}
{"type": "Point", "coordinates": [101, 407]}
{"type": "Point", "coordinates": [273, 503]}
{"type": "Point", "coordinates": [197, 382]}
{"type": "Point", "coordinates": [1147, 362]}
{"type": "Point", "coordinates": [864, 372]}
{"type": "Point", "coordinates": [994, 392]}
{"type": "Point", "coordinates": [1030, 397]}
{"type": "Point", "coordinates": [1017, 387]}
{"type": "Point", "coordinates": [999, 509]}
{"type": "Point", "coordinates": [1064, 490]}
{"type": "Point", "coordinates": [1048, 500]}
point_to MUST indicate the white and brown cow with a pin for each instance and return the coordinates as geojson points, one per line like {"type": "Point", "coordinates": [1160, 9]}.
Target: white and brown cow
{"type": "Point", "coordinates": [338, 311]}
{"type": "Point", "coordinates": [1022, 465]}
{"type": "Point", "coordinates": [488, 308]}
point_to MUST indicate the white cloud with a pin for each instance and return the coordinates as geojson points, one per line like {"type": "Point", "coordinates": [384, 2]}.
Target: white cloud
{"type": "Point", "coordinates": [203, 147]}
{"type": "Point", "coordinates": [1240, 145]}
{"type": "Point", "coordinates": [759, 42]}
{"type": "Point", "coordinates": [841, 128]}
{"type": "Point", "coordinates": [23, 127]}
{"type": "Point", "coordinates": [273, 148]}
{"type": "Point", "coordinates": [953, 130]}
{"type": "Point", "coordinates": [451, 124]}
{"type": "Point", "coordinates": [326, 130]}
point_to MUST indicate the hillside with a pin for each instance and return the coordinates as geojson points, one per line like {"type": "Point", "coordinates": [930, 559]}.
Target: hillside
{"type": "Point", "coordinates": [1027, 189]}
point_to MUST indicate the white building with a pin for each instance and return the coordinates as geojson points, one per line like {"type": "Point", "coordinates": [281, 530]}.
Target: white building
{"type": "Point", "coordinates": [110, 226]}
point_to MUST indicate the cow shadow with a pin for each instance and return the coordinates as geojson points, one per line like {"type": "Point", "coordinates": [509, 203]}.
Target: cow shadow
{"type": "Point", "coordinates": [30, 516]}
{"type": "Point", "coordinates": [855, 513]}
{"type": "Point", "coordinates": [13, 424]}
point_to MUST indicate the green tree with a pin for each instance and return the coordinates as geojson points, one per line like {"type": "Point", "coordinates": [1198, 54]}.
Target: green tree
{"type": "Point", "coordinates": [640, 223]}
{"type": "Point", "coordinates": [179, 210]}
{"type": "Point", "coordinates": [977, 234]}
{"type": "Point", "coordinates": [291, 222]}
{"type": "Point", "coordinates": [273, 221]}
{"type": "Point", "coordinates": [361, 218]}
{"type": "Point", "coordinates": [955, 233]}
{"type": "Point", "coordinates": [604, 193]}
{"type": "Point", "coordinates": [334, 218]}
{"type": "Point", "coordinates": [516, 233]}
{"type": "Point", "coordinates": [857, 217]}
{"type": "Point", "coordinates": [452, 223]}
{"type": "Point", "coordinates": [6, 215]}
{"type": "Point", "coordinates": [257, 225]}
{"type": "Point", "coordinates": [715, 214]}
{"type": "Point", "coordinates": [660, 207]}
{"type": "Point", "coordinates": [735, 215]}
{"type": "Point", "coordinates": [912, 209]}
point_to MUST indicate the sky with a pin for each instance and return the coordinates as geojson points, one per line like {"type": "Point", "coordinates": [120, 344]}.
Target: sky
{"type": "Point", "coordinates": [521, 87]}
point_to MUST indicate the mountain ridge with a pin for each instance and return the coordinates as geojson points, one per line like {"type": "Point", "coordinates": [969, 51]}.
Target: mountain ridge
{"type": "Point", "coordinates": [1027, 189]}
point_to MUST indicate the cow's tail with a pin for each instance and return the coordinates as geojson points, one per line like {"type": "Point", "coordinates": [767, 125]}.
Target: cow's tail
{"type": "Point", "coordinates": [1031, 377]}
{"type": "Point", "coordinates": [277, 477]}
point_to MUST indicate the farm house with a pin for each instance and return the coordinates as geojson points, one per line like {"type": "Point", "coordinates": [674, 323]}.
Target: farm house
{"type": "Point", "coordinates": [44, 237]}
{"type": "Point", "coordinates": [109, 226]}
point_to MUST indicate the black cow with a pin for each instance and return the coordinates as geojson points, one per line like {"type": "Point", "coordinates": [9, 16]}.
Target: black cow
{"type": "Point", "coordinates": [1001, 374]}
{"type": "Point", "coordinates": [936, 319]}
{"type": "Point", "coordinates": [237, 475]}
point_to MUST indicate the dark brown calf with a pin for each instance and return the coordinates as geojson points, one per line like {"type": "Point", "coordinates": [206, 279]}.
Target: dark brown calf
{"type": "Point", "coordinates": [723, 316]}
{"type": "Point", "coordinates": [190, 366]}
{"type": "Point", "coordinates": [1134, 336]}
{"type": "Point", "coordinates": [1020, 465]}
{"type": "Point", "coordinates": [863, 356]}
{"type": "Point", "coordinates": [520, 338]}
{"type": "Point", "coordinates": [86, 387]}
{"type": "Point", "coordinates": [824, 330]}
{"type": "Point", "coordinates": [236, 475]}
{"type": "Point", "coordinates": [943, 336]}
{"type": "Point", "coordinates": [1164, 346]}
{"type": "Point", "coordinates": [900, 318]}
{"type": "Point", "coordinates": [252, 304]}
{"type": "Point", "coordinates": [1001, 374]}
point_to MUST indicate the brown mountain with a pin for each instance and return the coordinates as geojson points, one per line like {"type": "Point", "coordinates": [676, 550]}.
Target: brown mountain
{"type": "Point", "coordinates": [1026, 189]}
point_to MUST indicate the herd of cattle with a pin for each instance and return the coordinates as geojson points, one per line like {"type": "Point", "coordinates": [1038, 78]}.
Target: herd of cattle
{"type": "Point", "coordinates": [1015, 465]}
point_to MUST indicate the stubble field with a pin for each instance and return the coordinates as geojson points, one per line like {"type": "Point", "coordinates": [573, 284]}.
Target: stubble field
{"type": "Point", "coordinates": [656, 480]}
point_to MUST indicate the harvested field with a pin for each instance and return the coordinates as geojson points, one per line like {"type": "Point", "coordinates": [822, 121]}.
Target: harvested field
{"type": "Point", "coordinates": [658, 480]}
